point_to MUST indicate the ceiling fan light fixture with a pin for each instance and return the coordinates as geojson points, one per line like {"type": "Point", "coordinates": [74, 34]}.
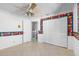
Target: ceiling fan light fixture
{"type": "Point", "coordinates": [29, 13]}
{"type": "Point", "coordinates": [33, 5]}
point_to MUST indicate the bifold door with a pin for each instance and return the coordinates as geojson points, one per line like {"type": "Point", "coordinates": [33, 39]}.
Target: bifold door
{"type": "Point", "coordinates": [55, 31]}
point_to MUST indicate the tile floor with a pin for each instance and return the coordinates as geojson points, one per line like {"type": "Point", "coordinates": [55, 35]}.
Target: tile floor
{"type": "Point", "coordinates": [36, 49]}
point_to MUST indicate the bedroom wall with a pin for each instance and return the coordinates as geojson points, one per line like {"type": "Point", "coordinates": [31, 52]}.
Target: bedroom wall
{"type": "Point", "coordinates": [75, 21]}
{"type": "Point", "coordinates": [74, 45]}
{"type": "Point", "coordinates": [64, 9]}
{"type": "Point", "coordinates": [9, 23]}
{"type": "Point", "coordinates": [54, 31]}
{"type": "Point", "coordinates": [74, 42]}
{"type": "Point", "coordinates": [73, 39]}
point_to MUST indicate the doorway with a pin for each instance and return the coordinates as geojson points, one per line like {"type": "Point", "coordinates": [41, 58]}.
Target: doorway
{"type": "Point", "coordinates": [34, 32]}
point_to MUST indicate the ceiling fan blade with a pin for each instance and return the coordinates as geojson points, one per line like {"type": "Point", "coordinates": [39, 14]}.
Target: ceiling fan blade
{"type": "Point", "coordinates": [30, 9]}
{"type": "Point", "coordinates": [33, 5]}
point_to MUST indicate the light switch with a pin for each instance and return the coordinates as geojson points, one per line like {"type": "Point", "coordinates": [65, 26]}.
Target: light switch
{"type": "Point", "coordinates": [19, 26]}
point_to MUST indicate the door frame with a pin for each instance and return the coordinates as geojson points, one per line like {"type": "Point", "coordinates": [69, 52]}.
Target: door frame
{"type": "Point", "coordinates": [36, 31]}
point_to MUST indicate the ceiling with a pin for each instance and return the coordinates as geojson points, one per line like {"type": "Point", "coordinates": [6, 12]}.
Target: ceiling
{"type": "Point", "coordinates": [43, 8]}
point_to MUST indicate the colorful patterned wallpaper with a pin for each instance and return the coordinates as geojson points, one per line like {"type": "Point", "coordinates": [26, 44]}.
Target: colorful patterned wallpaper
{"type": "Point", "coordinates": [70, 24]}
{"type": "Point", "coordinates": [10, 33]}
{"type": "Point", "coordinates": [69, 19]}
{"type": "Point", "coordinates": [76, 35]}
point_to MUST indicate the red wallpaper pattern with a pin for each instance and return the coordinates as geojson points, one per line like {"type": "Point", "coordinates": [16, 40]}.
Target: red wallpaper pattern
{"type": "Point", "coordinates": [69, 18]}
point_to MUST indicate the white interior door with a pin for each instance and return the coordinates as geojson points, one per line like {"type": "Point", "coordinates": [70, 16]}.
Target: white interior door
{"type": "Point", "coordinates": [55, 31]}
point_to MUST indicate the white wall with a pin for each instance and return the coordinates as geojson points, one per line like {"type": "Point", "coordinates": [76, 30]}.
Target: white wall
{"type": "Point", "coordinates": [9, 41]}
{"type": "Point", "coordinates": [74, 45]}
{"type": "Point", "coordinates": [27, 30]}
{"type": "Point", "coordinates": [73, 42]}
{"type": "Point", "coordinates": [9, 23]}
{"type": "Point", "coordinates": [71, 38]}
{"type": "Point", "coordinates": [64, 9]}
{"type": "Point", "coordinates": [55, 32]}
{"type": "Point", "coordinates": [75, 20]}
{"type": "Point", "coordinates": [70, 42]}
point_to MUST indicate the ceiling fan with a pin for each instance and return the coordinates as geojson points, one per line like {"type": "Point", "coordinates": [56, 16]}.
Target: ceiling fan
{"type": "Point", "coordinates": [29, 9]}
